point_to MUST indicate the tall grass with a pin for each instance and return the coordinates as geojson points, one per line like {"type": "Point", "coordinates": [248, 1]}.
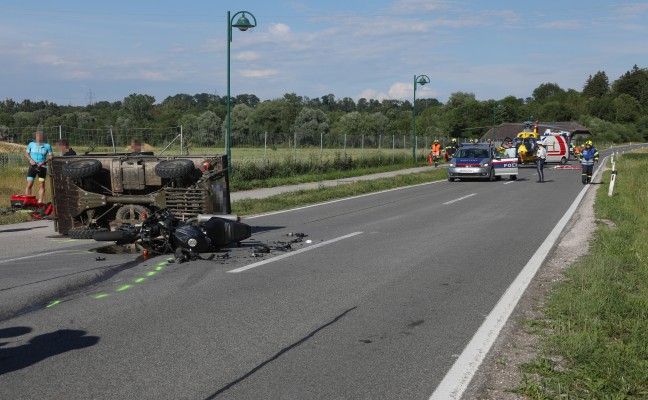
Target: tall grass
{"type": "Point", "coordinates": [596, 341]}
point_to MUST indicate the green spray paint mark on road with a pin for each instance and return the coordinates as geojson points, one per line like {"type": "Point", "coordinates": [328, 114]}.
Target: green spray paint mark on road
{"type": "Point", "coordinates": [52, 304]}
{"type": "Point", "coordinates": [101, 296]}
{"type": "Point", "coordinates": [139, 280]}
{"type": "Point", "coordinates": [123, 287]}
{"type": "Point", "coordinates": [151, 273]}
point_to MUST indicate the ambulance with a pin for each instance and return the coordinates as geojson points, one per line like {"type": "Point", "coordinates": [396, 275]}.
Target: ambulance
{"type": "Point", "coordinates": [557, 145]}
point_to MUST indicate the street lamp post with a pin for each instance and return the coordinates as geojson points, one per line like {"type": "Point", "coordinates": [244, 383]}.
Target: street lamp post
{"type": "Point", "coordinates": [418, 80]}
{"type": "Point", "coordinates": [243, 24]}
{"type": "Point", "coordinates": [496, 107]}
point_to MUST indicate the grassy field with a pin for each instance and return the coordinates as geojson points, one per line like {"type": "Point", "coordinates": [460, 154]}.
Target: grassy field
{"type": "Point", "coordinates": [304, 197]}
{"type": "Point", "coordinates": [595, 325]}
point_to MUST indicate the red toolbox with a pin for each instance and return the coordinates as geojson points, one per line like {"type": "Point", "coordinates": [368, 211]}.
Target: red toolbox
{"type": "Point", "coordinates": [24, 201]}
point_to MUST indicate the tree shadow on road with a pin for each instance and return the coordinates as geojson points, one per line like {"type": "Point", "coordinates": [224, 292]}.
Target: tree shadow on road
{"type": "Point", "coordinates": [11, 230]}
{"type": "Point", "coordinates": [40, 347]}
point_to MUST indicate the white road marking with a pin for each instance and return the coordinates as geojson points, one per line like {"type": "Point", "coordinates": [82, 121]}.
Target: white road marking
{"type": "Point", "coordinates": [292, 253]}
{"type": "Point", "coordinates": [509, 182]}
{"type": "Point", "coordinates": [459, 199]}
{"type": "Point", "coordinates": [339, 200]}
{"type": "Point", "coordinates": [459, 376]}
{"type": "Point", "coordinates": [32, 256]}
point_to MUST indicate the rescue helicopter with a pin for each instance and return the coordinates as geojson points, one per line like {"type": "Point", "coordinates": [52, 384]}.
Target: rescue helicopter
{"type": "Point", "coordinates": [556, 141]}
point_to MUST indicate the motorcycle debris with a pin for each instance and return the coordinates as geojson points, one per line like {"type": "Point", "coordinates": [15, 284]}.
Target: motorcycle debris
{"type": "Point", "coordinates": [100, 259]}
{"type": "Point", "coordinates": [261, 249]}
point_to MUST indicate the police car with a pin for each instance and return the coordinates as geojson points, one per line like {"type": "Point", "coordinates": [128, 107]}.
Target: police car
{"type": "Point", "coordinates": [481, 161]}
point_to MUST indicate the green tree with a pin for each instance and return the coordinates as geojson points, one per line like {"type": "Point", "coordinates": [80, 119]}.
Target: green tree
{"type": "Point", "coordinates": [597, 85]}
{"type": "Point", "coordinates": [627, 108]}
{"type": "Point", "coordinates": [239, 123]}
{"type": "Point", "coordinates": [633, 83]}
{"type": "Point", "coordinates": [310, 125]}
{"type": "Point", "coordinates": [138, 106]}
{"type": "Point", "coordinates": [547, 91]}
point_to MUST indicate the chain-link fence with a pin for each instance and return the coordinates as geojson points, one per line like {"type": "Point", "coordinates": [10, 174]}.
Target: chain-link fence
{"type": "Point", "coordinates": [245, 147]}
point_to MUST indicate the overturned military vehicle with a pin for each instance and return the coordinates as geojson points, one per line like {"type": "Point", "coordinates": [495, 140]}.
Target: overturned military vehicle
{"type": "Point", "coordinates": [95, 194]}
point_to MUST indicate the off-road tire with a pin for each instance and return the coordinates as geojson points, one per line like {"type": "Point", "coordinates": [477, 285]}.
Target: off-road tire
{"type": "Point", "coordinates": [174, 168]}
{"type": "Point", "coordinates": [83, 233]}
{"type": "Point", "coordinates": [81, 168]}
{"type": "Point", "coordinates": [115, 236]}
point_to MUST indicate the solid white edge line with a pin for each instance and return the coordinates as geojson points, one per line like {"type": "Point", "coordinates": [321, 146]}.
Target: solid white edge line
{"type": "Point", "coordinates": [459, 199]}
{"type": "Point", "coordinates": [458, 378]}
{"type": "Point", "coordinates": [339, 200]}
{"type": "Point", "coordinates": [32, 256]}
{"type": "Point", "coordinates": [292, 253]}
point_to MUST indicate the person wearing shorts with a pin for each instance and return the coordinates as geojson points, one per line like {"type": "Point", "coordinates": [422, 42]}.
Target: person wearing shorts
{"type": "Point", "coordinates": [38, 153]}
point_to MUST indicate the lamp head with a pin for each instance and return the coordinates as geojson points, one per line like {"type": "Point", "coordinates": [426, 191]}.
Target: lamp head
{"type": "Point", "coordinates": [243, 23]}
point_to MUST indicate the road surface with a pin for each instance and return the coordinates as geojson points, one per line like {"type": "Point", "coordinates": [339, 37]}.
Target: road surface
{"type": "Point", "coordinates": [378, 305]}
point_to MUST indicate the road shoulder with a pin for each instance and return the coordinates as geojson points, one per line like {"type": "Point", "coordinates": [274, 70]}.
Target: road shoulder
{"type": "Point", "coordinates": [516, 344]}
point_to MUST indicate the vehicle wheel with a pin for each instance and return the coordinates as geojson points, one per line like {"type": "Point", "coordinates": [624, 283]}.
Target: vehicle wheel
{"type": "Point", "coordinates": [132, 214]}
{"type": "Point", "coordinates": [498, 178]}
{"type": "Point", "coordinates": [491, 176]}
{"type": "Point", "coordinates": [513, 177]}
{"type": "Point", "coordinates": [563, 161]}
{"type": "Point", "coordinates": [450, 179]}
{"type": "Point", "coordinates": [174, 168]}
{"type": "Point", "coordinates": [83, 233]}
{"type": "Point", "coordinates": [81, 168]}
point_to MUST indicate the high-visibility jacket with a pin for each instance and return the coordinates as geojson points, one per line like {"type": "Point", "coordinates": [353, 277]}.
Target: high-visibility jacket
{"type": "Point", "coordinates": [436, 149]}
{"type": "Point", "coordinates": [588, 157]}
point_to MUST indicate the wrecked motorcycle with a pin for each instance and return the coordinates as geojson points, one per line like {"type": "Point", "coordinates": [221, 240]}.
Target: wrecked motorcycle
{"type": "Point", "coordinates": [163, 233]}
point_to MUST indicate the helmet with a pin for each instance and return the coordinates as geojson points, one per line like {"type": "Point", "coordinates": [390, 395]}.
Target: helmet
{"type": "Point", "coordinates": [436, 140]}
{"type": "Point", "coordinates": [454, 140]}
{"type": "Point", "coordinates": [589, 142]}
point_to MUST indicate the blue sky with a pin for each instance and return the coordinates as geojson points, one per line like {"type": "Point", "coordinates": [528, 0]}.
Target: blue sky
{"type": "Point", "coordinates": [62, 51]}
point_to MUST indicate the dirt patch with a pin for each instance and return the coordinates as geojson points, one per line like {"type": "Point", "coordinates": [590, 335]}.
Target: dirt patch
{"type": "Point", "coordinates": [6, 147]}
{"type": "Point", "coordinates": [517, 344]}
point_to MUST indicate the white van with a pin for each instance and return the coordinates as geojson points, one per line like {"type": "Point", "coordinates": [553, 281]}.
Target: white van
{"type": "Point", "coordinates": [557, 145]}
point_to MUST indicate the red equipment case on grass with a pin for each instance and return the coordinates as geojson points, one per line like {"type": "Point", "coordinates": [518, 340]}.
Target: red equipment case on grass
{"type": "Point", "coordinates": [24, 201]}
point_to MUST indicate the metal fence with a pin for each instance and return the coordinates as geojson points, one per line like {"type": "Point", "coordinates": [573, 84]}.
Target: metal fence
{"type": "Point", "coordinates": [245, 147]}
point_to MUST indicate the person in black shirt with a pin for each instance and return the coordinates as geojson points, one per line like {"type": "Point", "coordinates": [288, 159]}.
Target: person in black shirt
{"type": "Point", "coordinates": [65, 149]}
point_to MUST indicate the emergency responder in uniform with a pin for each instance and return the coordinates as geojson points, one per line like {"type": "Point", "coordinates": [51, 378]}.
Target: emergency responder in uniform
{"type": "Point", "coordinates": [541, 157]}
{"type": "Point", "coordinates": [435, 151]}
{"type": "Point", "coordinates": [451, 148]}
{"type": "Point", "coordinates": [589, 155]}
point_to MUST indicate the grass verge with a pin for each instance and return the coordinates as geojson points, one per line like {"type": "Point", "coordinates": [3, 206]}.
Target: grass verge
{"type": "Point", "coordinates": [305, 197]}
{"type": "Point", "coordinates": [594, 343]}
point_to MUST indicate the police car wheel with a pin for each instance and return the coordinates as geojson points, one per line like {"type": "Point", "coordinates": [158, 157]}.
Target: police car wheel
{"type": "Point", "coordinates": [81, 168]}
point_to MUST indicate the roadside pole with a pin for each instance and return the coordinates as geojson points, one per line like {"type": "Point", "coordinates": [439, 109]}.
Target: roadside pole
{"type": "Point", "coordinates": [612, 177]}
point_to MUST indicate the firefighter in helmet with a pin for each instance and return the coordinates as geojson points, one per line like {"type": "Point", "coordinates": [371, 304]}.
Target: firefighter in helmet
{"type": "Point", "coordinates": [588, 156]}
{"type": "Point", "coordinates": [451, 148]}
{"type": "Point", "coordinates": [435, 152]}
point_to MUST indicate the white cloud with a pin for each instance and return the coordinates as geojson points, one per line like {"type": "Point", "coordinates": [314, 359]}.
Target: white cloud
{"type": "Point", "coordinates": [565, 24]}
{"type": "Point", "coordinates": [372, 94]}
{"type": "Point", "coordinates": [279, 30]}
{"type": "Point", "coordinates": [258, 73]}
{"type": "Point", "coordinates": [419, 6]}
{"type": "Point", "coordinates": [247, 56]}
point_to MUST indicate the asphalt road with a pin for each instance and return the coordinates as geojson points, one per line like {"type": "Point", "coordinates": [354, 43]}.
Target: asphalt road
{"type": "Point", "coordinates": [378, 306]}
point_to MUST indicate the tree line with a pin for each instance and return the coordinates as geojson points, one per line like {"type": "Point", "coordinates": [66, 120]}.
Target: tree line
{"type": "Point", "coordinates": [613, 111]}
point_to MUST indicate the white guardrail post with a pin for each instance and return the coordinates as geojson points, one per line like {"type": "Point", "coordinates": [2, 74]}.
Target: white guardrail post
{"type": "Point", "coordinates": [612, 177]}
